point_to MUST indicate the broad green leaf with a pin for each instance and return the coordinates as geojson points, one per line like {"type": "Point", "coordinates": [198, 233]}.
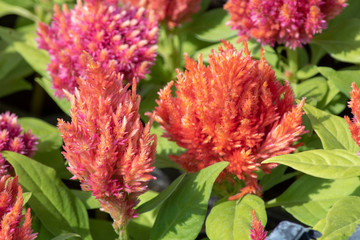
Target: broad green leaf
{"type": "Point", "coordinates": [9, 86]}
{"type": "Point", "coordinates": [314, 90]}
{"type": "Point", "coordinates": [276, 176]}
{"type": "Point", "coordinates": [231, 220]}
{"type": "Point", "coordinates": [211, 26]}
{"type": "Point", "coordinates": [159, 199]}
{"type": "Point", "coordinates": [57, 208]}
{"type": "Point", "coordinates": [307, 71]}
{"type": "Point", "coordinates": [89, 201]}
{"type": "Point", "coordinates": [140, 228]}
{"type": "Point", "coordinates": [64, 104]}
{"type": "Point", "coordinates": [332, 130]}
{"type": "Point", "coordinates": [65, 236]}
{"type": "Point", "coordinates": [55, 160]}
{"type": "Point", "coordinates": [337, 104]}
{"type": "Point", "coordinates": [341, 79]}
{"type": "Point", "coordinates": [181, 216]}
{"type": "Point", "coordinates": [36, 58]}
{"type": "Point", "coordinates": [330, 95]}
{"type": "Point", "coordinates": [9, 59]}
{"type": "Point", "coordinates": [164, 148]}
{"type": "Point", "coordinates": [342, 41]}
{"type": "Point", "coordinates": [330, 164]}
{"type": "Point", "coordinates": [49, 136]}
{"type": "Point", "coordinates": [6, 9]}
{"type": "Point", "coordinates": [309, 198]}
{"type": "Point", "coordinates": [342, 219]}
{"type": "Point", "coordinates": [102, 230]}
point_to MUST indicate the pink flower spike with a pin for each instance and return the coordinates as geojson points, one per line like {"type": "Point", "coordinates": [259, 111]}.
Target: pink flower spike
{"type": "Point", "coordinates": [107, 32]}
{"type": "Point", "coordinates": [257, 232]}
{"type": "Point", "coordinates": [11, 202]}
{"type": "Point", "coordinates": [12, 139]}
{"type": "Point", "coordinates": [288, 22]}
{"type": "Point", "coordinates": [106, 145]}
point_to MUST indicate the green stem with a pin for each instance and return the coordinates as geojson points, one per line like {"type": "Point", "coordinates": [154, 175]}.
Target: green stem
{"type": "Point", "coordinates": [292, 56]}
{"type": "Point", "coordinates": [123, 234]}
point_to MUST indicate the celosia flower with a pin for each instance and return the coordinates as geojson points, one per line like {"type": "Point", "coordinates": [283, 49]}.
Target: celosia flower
{"type": "Point", "coordinates": [12, 139]}
{"type": "Point", "coordinates": [257, 232]}
{"type": "Point", "coordinates": [354, 104]}
{"type": "Point", "coordinates": [170, 11]}
{"type": "Point", "coordinates": [11, 202]}
{"type": "Point", "coordinates": [232, 110]}
{"type": "Point", "coordinates": [104, 31]}
{"type": "Point", "coordinates": [106, 145]}
{"type": "Point", "coordinates": [282, 21]}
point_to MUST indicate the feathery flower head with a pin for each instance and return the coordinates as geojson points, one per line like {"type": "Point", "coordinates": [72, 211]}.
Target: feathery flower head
{"type": "Point", "coordinates": [103, 30]}
{"type": "Point", "coordinates": [11, 203]}
{"type": "Point", "coordinates": [12, 139]}
{"type": "Point", "coordinates": [354, 104]}
{"type": "Point", "coordinates": [257, 232]}
{"type": "Point", "coordinates": [170, 11]}
{"type": "Point", "coordinates": [232, 110]}
{"type": "Point", "coordinates": [282, 21]}
{"type": "Point", "coordinates": [106, 145]}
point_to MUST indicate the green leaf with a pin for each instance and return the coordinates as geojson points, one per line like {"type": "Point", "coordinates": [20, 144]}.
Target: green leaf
{"type": "Point", "coordinates": [330, 164]}
{"type": "Point", "coordinates": [211, 26]}
{"type": "Point", "coordinates": [332, 130]}
{"type": "Point", "coordinates": [182, 215]}
{"type": "Point", "coordinates": [64, 104]}
{"type": "Point", "coordinates": [89, 201]}
{"type": "Point", "coordinates": [9, 86]}
{"type": "Point", "coordinates": [159, 199]}
{"type": "Point", "coordinates": [314, 90]}
{"type": "Point", "coordinates": [64, 236]}
{"type": "Point", "coordinates": [164, 148]}
{"type": "Point", "coordinates": [309, 198]}
{"type": "Point", "coordinates": [49, 136]}
{"type": "Point", "coordinates": [341, 79]}
{"type": "Point", "coordinates": [307, 71]}
{"type": "Point", "coordinates": [342, 41]}
{"type": "Point", "coordinates": [58, 209]}
{"type": "Point", "coordinates": [342, 219]}
{"type": "Point", "coordinates": [276, 176]}
{"type": "Point", "coordinates": [231, 220]}
{"type": "Point", "coordinates": [102, 230]}
{"type": "Point", "coordinates": [6, 9]}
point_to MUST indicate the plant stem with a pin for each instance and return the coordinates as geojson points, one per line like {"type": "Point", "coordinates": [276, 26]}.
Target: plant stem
{"type": "Point", "coordinates": [123, 234]}
{"type": "Point", "coordinates": [292, 56]}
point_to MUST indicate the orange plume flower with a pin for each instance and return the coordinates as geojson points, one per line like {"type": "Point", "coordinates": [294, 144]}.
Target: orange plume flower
{"type": "Point", "coordinates": [232, 110]}
{"type": "Point", "coordinates": [11, 203]}
{"type": "Point", "coordinates": [106, 145]}
{"type": "Point", "coordinates": [354, 104]}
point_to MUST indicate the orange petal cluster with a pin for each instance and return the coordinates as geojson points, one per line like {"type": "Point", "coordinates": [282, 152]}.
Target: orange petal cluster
{"type": "Point", "coordinates": [173, 12]}
{"type": "Point", "coordinates": [106, 145]}
{"type": "Point", "coordinates": [232, 110]}
{"type": "Point", "coordinates": [354, 104]}
{"type": "Point", "coordinates": [11, 203]}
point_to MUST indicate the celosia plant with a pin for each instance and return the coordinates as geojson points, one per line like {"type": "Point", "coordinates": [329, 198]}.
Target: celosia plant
{"type": "Point", "coordinates": [172, 12]}
{"type": "Point", "coordinates": [13, 138]}
{"type": "Point", "coordinates": [354, 105]}
{"type": "Point", "coordinates": [232, 110]}
{"type": "Point", "coordinates": [106, 32]}
{"type": "Point", "coordinates": [106, 145]}
{"type": "Point", "coordinates": [257, 232]}
{"type": "Point", "coordinates": [288, 22]}
{"type": "Point", "coordinates": [11, 204]}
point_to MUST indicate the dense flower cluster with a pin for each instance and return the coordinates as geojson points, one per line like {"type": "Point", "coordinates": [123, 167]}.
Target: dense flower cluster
{"type": "Point", "coordinates": [106, 145]}
{"type": "Point", "coordinates": [12, 139]}
{"type": "Point", "coordinates": [282, 21]}
{"type": "Point", "coordinates": [103, 30]}
{"type": "Point", "coordinates": [257, 232]}
{"type": "Point", "coordinates": [354, 104]}
{"type": "Point", "coordinates": [173, 12]}
{"type": "Point", "coordinates": [232, 110]}
{"type": "Point", "coordinates": [11, 203]}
